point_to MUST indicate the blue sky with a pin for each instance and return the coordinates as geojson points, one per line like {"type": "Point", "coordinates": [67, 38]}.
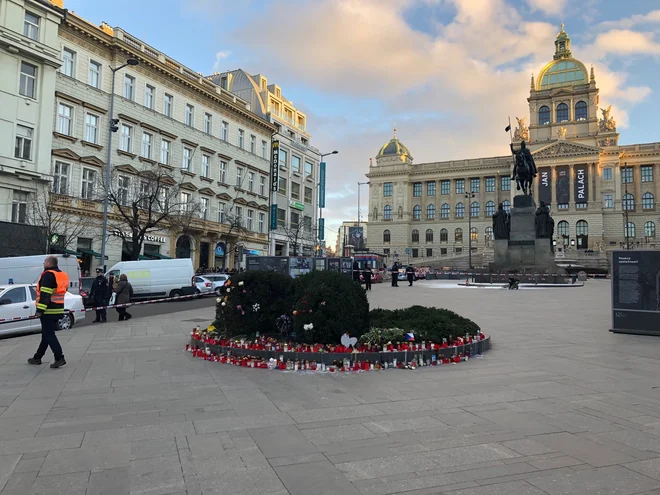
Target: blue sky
{"type": "Point", "coordinates": [447, 72]}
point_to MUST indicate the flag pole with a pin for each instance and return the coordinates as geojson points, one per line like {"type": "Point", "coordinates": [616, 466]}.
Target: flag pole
{"type": "Point", "coordinates": [510, 132]}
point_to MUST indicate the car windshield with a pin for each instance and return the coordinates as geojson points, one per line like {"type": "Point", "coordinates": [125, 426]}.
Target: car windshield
{"type": "Point", "coordinates": [86, 283]}
{"type": "Point", "coordinates": [215, 278]}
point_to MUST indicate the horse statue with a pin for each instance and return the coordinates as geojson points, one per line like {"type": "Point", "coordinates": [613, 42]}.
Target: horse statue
{"type": "Point", "coordinates": [524, 169]}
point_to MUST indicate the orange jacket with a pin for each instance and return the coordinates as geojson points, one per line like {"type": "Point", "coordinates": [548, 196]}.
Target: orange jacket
{"type": "Point", "coordinates": [51, 289]}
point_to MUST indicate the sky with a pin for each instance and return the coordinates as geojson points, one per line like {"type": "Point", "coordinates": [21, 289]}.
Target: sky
{"type": "Point", "coordinates": [447, 73]}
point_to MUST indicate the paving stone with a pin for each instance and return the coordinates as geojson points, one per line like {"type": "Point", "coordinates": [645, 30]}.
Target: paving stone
{"type": "Point", "coordinates": [473, 454]}
{"type": "Point", "coordinates": [7, 465]}
{"type": "Point", "coordinates": [384, 466]}
{"type": "Point", "coordinates": [513, 487]}
{"type": "Point", "coordinates": [335, 413]}
{"type": "Point", "coordinates": [86, 459]}
{"type": "Point", "coordinates": [69, 484]}
{"type": "Point", "coordinates": [649, 467]}
{"type": "Point", "coordinates": [414, 424]}
{"type": "Point", "coordinates": [584, 450]}
{"type": "Point", "coordinates": [28, 407]}
{"type": "Point", "coordinates": [156, 476]}
{"type": "Point", "coordinates": [333, 434]}
{"type": "Point", "coordinates": [42, 444]}
{"type": "Point", "coordinates": [241, 423]}
{"type": "Point", "coordinates": [27, 465]}
{"type": "Point", "coordinates": [19, 483]}
{"type": "Point", "coordinates": [110, 482]}
{"type": "Point", "coordinates": [527, 447]}
{"type": "Point", "coordinates": [278, 441]}
{"type": "Point", "coordinates": [13, 427]}
{"type": "Point", "coordinates": [319, 478]}
{"type": "Point", "coordinates": [613, 480]}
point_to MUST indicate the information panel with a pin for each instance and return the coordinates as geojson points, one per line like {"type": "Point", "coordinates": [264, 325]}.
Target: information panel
{"type": "Point", "coordinates": [545, 185]}
{"type": "Point", "coordinates": [636, 292]}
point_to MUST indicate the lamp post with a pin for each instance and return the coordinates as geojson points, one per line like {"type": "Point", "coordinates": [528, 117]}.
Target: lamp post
{"type": "Point", "coordinates": [358, 209]}
{"type": "Point", "coordinates": [322, 204]}
{"type": "Point", "coordinates": [112, 128]}
{"type": "Point", "coordinates": [469, 196]}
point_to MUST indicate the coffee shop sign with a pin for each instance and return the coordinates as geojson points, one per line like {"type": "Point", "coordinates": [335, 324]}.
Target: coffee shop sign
{"type": "Point", "coordinates": [147, 237]}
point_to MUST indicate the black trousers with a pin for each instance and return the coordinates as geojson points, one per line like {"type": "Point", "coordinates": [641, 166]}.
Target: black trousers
{"type": "Point", "coordinates": [367, 283]}
{"type": "Point", "coordinates": [48, 338]}
{"type": "Point", "coordinates": [123, 314]}
{"type": "Point", "coordinates": [395, 279]}
{"type": "Point", "coordinates": [101, 314]}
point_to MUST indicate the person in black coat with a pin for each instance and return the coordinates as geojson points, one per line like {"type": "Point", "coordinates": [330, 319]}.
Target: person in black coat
{"type": "Point", "coordinates": [410, 274]}
{"type": "Point", "coordinates": [367, 273]}
{"type": "Point", "coordinates": [356, 272]}
{"type": "Point", "coordinates": [395, 274]}
{"type": "Point", "coordinates": [99, 295]}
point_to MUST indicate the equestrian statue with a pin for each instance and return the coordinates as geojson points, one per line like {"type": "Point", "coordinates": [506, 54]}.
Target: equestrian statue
{"type": "Point", "coordinates": [524, 169]}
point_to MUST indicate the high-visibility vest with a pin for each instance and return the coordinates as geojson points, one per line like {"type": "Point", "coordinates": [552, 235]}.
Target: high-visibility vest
{"type": "Point", "coordinates": [56, 305]}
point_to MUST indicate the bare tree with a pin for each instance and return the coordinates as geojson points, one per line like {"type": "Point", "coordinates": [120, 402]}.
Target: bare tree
{"type": "Point", "coordinates": [298, 232]}
{"type": "Point", "coordinates": [146, 202]}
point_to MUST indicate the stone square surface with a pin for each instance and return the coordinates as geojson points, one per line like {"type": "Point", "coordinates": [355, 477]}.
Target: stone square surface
{"type": "Point", "coordinates": [559, 405]}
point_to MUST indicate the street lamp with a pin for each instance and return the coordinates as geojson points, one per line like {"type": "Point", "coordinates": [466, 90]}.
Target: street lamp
{"type": "Point", "coordinates": [112, 127]}
{"type": "Point", "coordinates": [321, 235]}
{"type": "Point", "coordinates": [468, 196]}
{"type": "Point", "coordinates": [358, 209]}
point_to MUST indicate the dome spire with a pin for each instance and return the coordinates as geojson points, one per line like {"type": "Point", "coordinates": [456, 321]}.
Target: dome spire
{"type": "Point", "coordinates": [562, 45]}
{"type": "Point", "coordinates": [532, 83]}
{"type": "Point", "coordinates": [394, 131]}
{"type": "Point", "coordinates": [593, 76]}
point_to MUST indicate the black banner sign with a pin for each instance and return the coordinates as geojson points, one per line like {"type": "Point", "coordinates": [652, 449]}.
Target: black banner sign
{"type": "Point", "coordinates": [563, 185]}
{"type": "Point", "coordinates": [275, 166]}
{"type": "Point", "coordinates": [581, 182]}
{"type": "Point", "coordinates": [545, 185]}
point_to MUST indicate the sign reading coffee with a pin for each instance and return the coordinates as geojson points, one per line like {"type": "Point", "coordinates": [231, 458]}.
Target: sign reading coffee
{"type": "Point", "coordinates": [545, 185]}
{"type": "Point", "coordinates": [581, 183]}
{"type": "Point", "coordinates": [563, 185]}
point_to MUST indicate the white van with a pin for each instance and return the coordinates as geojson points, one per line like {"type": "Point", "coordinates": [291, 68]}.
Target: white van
{"type": "Point", "coordinates": [157, 278]}
{"type": "Point", "coordinates": [27, 269]}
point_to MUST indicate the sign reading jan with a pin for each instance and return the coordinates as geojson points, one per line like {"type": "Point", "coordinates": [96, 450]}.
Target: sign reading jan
{"type": "Point", "coordinates": [581, 183]}
{"type": "Point", "coordinates": [545, 185]}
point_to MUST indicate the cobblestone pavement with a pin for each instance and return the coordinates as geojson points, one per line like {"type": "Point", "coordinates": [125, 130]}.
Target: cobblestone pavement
{"type": "Point", "coordinates": [558, 406]}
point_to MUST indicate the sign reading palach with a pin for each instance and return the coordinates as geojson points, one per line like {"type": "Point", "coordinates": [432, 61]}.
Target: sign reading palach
{"type": "Point", "coordinates": [581, 183]}
{"type": "Point", "coordinates": [636, 292]}
{"type": "Point", "coordinates": [545, 185]}
{"type": "Point", "coordinates": [275, 166]}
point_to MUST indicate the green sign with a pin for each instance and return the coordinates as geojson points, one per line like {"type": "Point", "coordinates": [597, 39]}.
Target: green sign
{"type": "Point", "coordinates": [321, 229]}
{"type": "Point", "coordinates": [322, 186]}
{"type": "Point", "coordinates": [273, 217]}
{"type": "Point", "coordinates": [297, 205]}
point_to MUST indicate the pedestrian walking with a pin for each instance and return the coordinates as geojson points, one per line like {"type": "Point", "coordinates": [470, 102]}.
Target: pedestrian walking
{"type": "Point", "coordinates": [123, 295]}
{"type": "Point", "coordinates": [367, 274]}
{"type": "Point", "coordinates": [99, 294]}
{"type": "Point", "coordinates": [51, 288]}
{"type": "Point", "coordinates": [356, 271]}
{"type": "Point", "coordinates": [410, 275]}
{"type": "Point", "coordinates": [395, 274]}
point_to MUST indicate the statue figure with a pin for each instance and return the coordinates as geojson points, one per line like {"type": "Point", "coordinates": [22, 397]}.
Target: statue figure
{"type": "Point", "coordinates": [543, 221]}
{"type": "Point", "coordinates": [501, 224]}
{"type": "Point", "coordinates": [561, 133]}
{"type": "Point", "coordinates": [375, 214]}
{"type": "Point", "coordinates": [607, 123]}
{"type": "Point", "coordinates": [522, 131]}
{"type": "Point", "coordinates": [400, 212]}
{"type": "Point", "coordinates": [524, 169]}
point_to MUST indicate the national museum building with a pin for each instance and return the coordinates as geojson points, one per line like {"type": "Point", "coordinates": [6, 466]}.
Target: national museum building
{"type": "Point", "coordinates": [600, 194]}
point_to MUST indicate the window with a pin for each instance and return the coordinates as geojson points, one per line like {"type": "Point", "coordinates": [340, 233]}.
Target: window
{"type": "Point", "coordinates": [147, 140]}
{"type": "Point", "coordinates": [309, 169]}
{"type": "Point", "coordinates": [490, 208]}
{"type": "Point", "coordinates": [417, 189]}
{"type": "Point", "coordinates": [262, 222]}
{"type": "Point", "coordinates": [190, 115]}
{"type": "Point", "coordinates": [221, 212]}
{"type": "Point", "coordinates": [630, 230]}
{"type": "Point", "coordinates": [206, 165]}
{"type": "Point", "coordinates": [445, 187]}
{"type": "Point", "coordinates": [253, 144]}
{"type": "Point", "coordinates": [129, 87]}
{"type": "Point", "coordinates": [415, 253]}
{"type": "Point", "coordinates": [562, 206]}
{"type": "Point", "coordinates": [224, 131]}
{"type": "Point", "coordinates": [91, 128]}
{"type": "Point", "coordinates": [544, 115]}
{"type": "Point", "coordinates": [626, 175]}
{"type": "Point", "coordinates": [241, 138]}
{"type": "Point", "coordinates": [489, 234]}
{"type": "Point", "coordinates": [475, 209]}
{"type": "Point", "coordinates": [28, 82]}
{"type": "Point", "coordinates": [580, 110]}
{"type": "Point", "coordinates": [149, 96]}
{"type": "Point", "coordinates": [68, 62]}
{"type": "Point", "coordinates": [581, 228]}
{"type": "Point", "coordinates": [388, 189]}
{"type": "Point", "coordinates": [19, 207]}
{"type": "Point", "coordinates": [205, 208]}
{"type": "Point", "coordinates": [444, 235]}
{"type": "Point", "coordinates": [295, 164]}
{"type": "Point", "coordinates": [239, 177]}
{"type": "Point", "coordinates": [250, 219]}
{"type": "Point", "coordinates": [123, 183]}
{"type": "Point", "coordinates": [430, 188]}
{"type": "Point", "coordinates": [648, 201]}
{"type": "Point", "coordinates": [281, 218]}
{"type": "Point", "coordinates": [281, 186]}
{"type": "Point", "coordinates": [474, 234]}
{"type": "Point", "coordinates": [458, 235]}
{"type": "Point", "coordinates": [647, 173]}
{"type": "Point", "coordinates": [208, 123]}
{"type": "Point", "coordinates": [31, 26]}
{"type": "Point", "coordinates": [386, 251]}
{"type": "Point", "coordinates": [17, 295]}
{"type": "Point", "coordinates": [562, 229]}
{"type": "Point", "coordinates": [386, 236]}
{"type": "Point", "coordinates": [460, 210]}
{"type": "Point", "coordinates": [429, 235]}
{"type": "Point", "coordinates": [649, 230]}
{"type": "Point", "coordinates": [88, 183]}
{"type": "Point", "coordinates": [64, 119]}
{"type": "Point", "coordinates": [490, 184]}
{"type": "Point", "coordinates": [308, 195]}
{"type": "Point", "coordinates": [607, 174]}
{"type": "Point", "coordinates": [186, 163]}
{"type": "Point", "coordinates": [429, 252]}
{"type": "Point", "coordinates": [562, 112]}
{"type": "Point", "coordinates": [61, 178]}
{"type": "Point", "coordinates": [262, 186]}
{"type": "Point", "coordinates": [295, 219]}
{"type": "Point", "coordinates": [264, 149]}
{"type": "Point", "coordinates": [295, 190]}
{"type": "Point", "coordinates": [628, 202]}
{"type": "Point", "coordinates": [445, 210]}
{"type": "Point", "coordinates": [23, 147]}
{"type": "Point", "coordinates": [505, 183]}
{"type": "Point", "coordinates": [415, 235]}
{"type": "Point", "coordinates": [475, 185]}
{"type": "Point", "coordinates": [223, 172]}
{"type": "Point", "coordinates": [165, 146]}
{"type": "Point", "coordinates": [460, 186]}
{"type": "Point", "coordinates": [185, 199]}
{"type": "Point", "coordinates": [581, 206]}
{"type": "Point", "coordinates": [251, 181]}
{"type": "Point", "coordinates": [387, 212]}
{"type": "Point", "coordinates": [430, 212]}
{"type": "Point", "coordinates": [168, 104]}
{"type": "Point", "coordinates": [417, 212]}
{"type": "Point", "coordinates": [94, 74]}
{"type": "Point", "coordinates": [607, 201]}
{"type": "Point", "coordinates": [283, 158]}
{"type": "Point", "coordinates": [126, 138]}
{"type": "Point", "coordinates": [506, 205]}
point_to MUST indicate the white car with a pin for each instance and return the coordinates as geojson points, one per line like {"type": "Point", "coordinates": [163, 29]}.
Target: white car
{"type": "Point", "coordinates": [218, 280]}
{"type": "Point", "coordinates": [18, 301]}
{"type": "Point", "coordinates": [203, 286]}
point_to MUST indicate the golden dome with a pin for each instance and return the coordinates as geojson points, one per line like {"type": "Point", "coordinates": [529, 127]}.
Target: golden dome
{"type": "Point", "coordinates": [394, 147]}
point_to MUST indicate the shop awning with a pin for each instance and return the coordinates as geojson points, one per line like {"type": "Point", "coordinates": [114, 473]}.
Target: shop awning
{"type": "Point", "coordinates": [142, 257]}
{"type": "Point", "coordinates": [159, 256]}
{"type": "Point", "coordinates": [64, 251]}
{"type": "Point", "coordinates": [89, 252]}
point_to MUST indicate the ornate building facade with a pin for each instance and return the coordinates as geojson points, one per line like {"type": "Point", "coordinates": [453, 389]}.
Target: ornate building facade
{"type": "Point", "coordinates": [601, 194]}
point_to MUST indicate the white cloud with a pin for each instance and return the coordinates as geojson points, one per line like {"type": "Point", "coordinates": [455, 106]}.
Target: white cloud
{"type": "Point", "coordinates": [549, 7]}
{"type": "Point", "coordinates": [626, 42]}
{"type": "Point", "coordinates": [220, 60]}
{"type": "Point", "coordinates": [635, 20]}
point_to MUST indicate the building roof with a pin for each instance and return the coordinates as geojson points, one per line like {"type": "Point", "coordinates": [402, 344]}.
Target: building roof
{"type": "Point", "coordinates": [394, 147]}
{"type": "Point", "coordinates": [564, 70]}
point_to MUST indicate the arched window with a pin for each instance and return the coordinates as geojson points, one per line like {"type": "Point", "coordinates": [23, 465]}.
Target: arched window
{"type": "Point", "coordinates": [475, 208]}
{"type": "Point", "coordinates": [430, 212]}
{"type": "Point", "coordinates": [444, 235]}
{"type": "Point", "coordinates": [628, 202]}
{"type": "Point", "coordinates": [458, 235]}
{"type": "Point", "coordinates": [386, 236]}
{"type": "Point", "coordinates": [648, 201]}
{"type": "Point", "coordinates": [460, 210]}
{"type": "Point", "coordinates": [580, 110]}
{"type": "Point", "coordinates": [417, 212]}
{"type": "Point", "coordinates": [649, 229]}
{"type": "Point", "coordinates": [630, 230]}
{"type": "Point", "coordinates": [581, 228]}
{"type": "Point", "coordinates": [387, 212]}
{"type": "Point", "coordinates": [489, 234]}
{"type": "Point", "coordinates": [562, 230]}
{"type": "Point", "coordinates": [415, 235]}
{"type": "Point", "coordinates": [544, 115]}
{"type": "Point", "coordinates": [490, 208]}
{"type": "Point", "coordinates": [506, 205]}
{"type": "Point", "coordinates": [444, 211]}
{"type": "Point", "coordinates": [562, 112]}
{"type": "Point", "coordinates": [429, 235]}
{"type": "Point", "coordinates": [474, 234]}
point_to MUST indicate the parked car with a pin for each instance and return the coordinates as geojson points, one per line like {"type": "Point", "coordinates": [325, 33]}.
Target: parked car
{"type": "Point", "coordinates": [18, 301]}
{"type": "Point", "coordinates": [203, 286]}
{"type": "Point", "coordinates": [376, 278]}
{"type": "Point", "coordinates": [85, 286]}
{"type": "Point", "coordinates": [217, 279]}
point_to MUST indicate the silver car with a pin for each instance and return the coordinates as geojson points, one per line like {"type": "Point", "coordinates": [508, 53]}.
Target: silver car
{"type": "Point", "coordinates": [204, 286]}
{"type": "Point", "coordinates": [218, 280]}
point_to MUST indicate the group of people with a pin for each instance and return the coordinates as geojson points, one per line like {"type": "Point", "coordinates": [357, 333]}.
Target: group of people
{"type": "Point", "coordinates": [102, 291]}
{"type": "Point", "coordinates": [410, 274]}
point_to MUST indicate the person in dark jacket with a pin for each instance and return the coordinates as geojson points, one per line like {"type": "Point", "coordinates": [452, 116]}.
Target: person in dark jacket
{"type": "Point", "coordinates": [124, 293]}
{"type": "Point", "coordinates": [395, 274]}
{"type": "Point", "coordinates": [99, 294]}
{"type": "Point", "coordinates": [410, 274]}
{"type": "Point", "coordinates": [356, 272]}
{"type": "Point", "coordinates": [51, 289]}
{"type": "Point", "coordinates": [366, 274]}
